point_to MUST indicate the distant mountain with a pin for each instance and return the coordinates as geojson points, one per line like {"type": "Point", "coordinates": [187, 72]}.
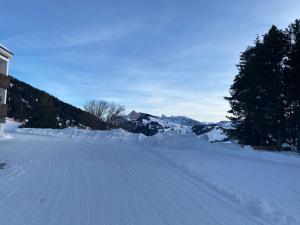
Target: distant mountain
{"type": "Point", "coordinates": [139, 123]}
{"type": "Point", "coordinates": [182, 120]}
{"type": "Point", "coordinates": [39, 109]}
{"type": "Point", "coordinates": [148, 124]}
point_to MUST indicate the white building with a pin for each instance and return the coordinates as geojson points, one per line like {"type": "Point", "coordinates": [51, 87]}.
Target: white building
{"type": "Point", "coordinates": [5, 55]}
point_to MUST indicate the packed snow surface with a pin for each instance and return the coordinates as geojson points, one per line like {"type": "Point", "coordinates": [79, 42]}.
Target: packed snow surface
{"type": "Point", "coordinates": [76, 176]}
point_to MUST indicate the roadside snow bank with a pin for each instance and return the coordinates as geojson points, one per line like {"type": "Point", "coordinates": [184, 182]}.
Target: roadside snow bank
{"type": "Point", "coordinates": [11, 125]}
{"type": "Point", "coordinates": [74, 133]}
{"type": "Point", "coordinates": [120, 134]}
{"type": "Point", "coordinates": [262, 183]}
{"type": "Point", "coordinates": [216, 135]}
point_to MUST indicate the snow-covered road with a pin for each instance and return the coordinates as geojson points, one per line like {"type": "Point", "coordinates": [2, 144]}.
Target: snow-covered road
{"type": "Point", "coordinates": [50, 180]}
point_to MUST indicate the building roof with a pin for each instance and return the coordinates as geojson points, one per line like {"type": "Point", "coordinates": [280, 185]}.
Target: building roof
{"type": "Point", "coordinates": [5, 52]}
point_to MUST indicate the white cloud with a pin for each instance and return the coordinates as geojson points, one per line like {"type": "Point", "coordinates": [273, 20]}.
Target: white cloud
{"type": "Point", "coordinates": [97, 34]}
{"type": "Point", "coordinates": [159, 98]}
{"type": "Point", "coordinates": [55, 38]}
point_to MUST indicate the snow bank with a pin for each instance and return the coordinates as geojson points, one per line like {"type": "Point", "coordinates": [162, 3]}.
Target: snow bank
{"type": "Point", "coordinates": [11, 125]}
{"type": "Point", "coordinates": [75, 133]}
{"type": "Point", "coordinates": [120, 134]}
{"type": "Point", "coordinates": [215, 135]}
{"type": "Point", "coordinates": [262, 183]}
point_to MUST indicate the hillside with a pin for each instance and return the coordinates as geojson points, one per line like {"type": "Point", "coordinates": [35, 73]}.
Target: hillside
{"type": "Point", "coordinates": [41, 110]}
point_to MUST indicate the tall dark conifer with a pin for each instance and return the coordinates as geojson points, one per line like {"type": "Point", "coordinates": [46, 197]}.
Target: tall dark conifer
{"type": "Point", "coordinates": [246, 98]}
{"type": "Point", "coordinates": [293, 86]}
{"type": "Point", "coordinates": [258, 95]}
{"type": "Point", "coordinates": [272, 78]}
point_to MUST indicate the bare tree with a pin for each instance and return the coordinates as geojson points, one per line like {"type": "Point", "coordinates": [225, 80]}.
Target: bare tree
{"type": "Point", "coordinates": [107, 111]}
{"type": "Point", "coordinates": [114, 111]}
{"type": "Point", "coordinates": [97, 107]}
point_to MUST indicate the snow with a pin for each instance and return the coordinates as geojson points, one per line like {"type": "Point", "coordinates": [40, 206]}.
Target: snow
{"type": "Point", "coordinates": [263, 183]}
{"type": "Point", "coordinates": [215, 135]}
{"type": "Point", "coordinates": [183, 120]}
{"type": "Point", "coordinates": [74, 176]}
{"type": "Point", "coordinates": [5, 137]}
{"type": "Point", "coordinates": [80, 134]}
{"type": "Point", "coordinates": [184, 129]}
{"type": "Point", "coordinates": [11, 125]}
{"type": "Point", "coordinates": [1, 45]}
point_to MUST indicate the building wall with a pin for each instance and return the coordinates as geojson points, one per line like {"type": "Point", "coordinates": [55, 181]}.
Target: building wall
{"type": "Point", "coordinates": [3, 92]}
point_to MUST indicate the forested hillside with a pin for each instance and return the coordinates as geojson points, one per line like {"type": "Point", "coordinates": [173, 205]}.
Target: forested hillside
{"type": "Point", "coordinates": [41, 110]}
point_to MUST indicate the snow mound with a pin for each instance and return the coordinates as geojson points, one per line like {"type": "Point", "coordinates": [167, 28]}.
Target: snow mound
{"type": "Point", "coordinates": [11, 125]}
{"type": "Point", "coordinates": [216, 135]}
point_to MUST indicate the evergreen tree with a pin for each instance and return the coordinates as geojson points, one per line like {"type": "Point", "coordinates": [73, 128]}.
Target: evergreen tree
{"type": "Point", "coordinates": [274, 54]}
{"type": "Point", "coordinates": [294, 82]}
{"type": "Point", "coordinates": [246, 100]}
{"type": "Point", "coordinates": [45, 115]}
{"type": "Point", "coordinates": [258, 95]}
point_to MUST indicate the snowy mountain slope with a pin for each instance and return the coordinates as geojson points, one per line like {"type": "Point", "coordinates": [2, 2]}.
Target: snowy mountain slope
{"type": "Point", "coordinates": [168, 125]}
{"type": "Point", "coordinates": [74, 176]}
{"type": "Point", "coordinates": [180, 124]}
{"type": "Point", "coordinates": [182, 120]}
{"type": "Point", "coordinates": [149, 125]}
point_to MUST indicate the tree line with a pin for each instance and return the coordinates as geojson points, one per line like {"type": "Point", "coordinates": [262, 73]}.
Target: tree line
{"type": "Point", "coordinates": [265, 94]}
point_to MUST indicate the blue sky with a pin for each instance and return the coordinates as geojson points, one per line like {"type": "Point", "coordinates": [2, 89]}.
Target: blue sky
{"type": "Point", "coordinates": [160, 57]}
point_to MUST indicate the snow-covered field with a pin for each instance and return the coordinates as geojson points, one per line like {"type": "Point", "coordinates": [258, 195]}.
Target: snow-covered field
{"type": "Point", "coordinates": [113, 177]}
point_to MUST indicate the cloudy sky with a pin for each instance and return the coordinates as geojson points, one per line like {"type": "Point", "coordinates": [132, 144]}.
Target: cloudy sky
{"type": "Point", "coordinates": [162, 57]}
